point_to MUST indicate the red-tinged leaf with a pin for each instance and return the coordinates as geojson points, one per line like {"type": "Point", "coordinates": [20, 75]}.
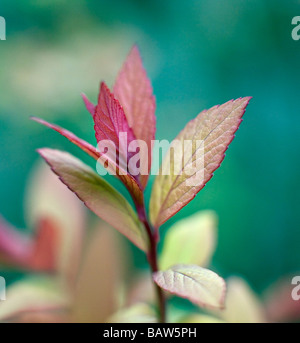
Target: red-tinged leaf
{"type": "Point", "coordinates": [14, 245]}
{"type": "Point", "coordinates": [129, 181]}
{"type": "Point", "coordinates": [88, 104]}
{"type": "Point", "coordinates": [111, 123]}
{"type": "Point", "coordinates": [43, 256]}
{"type": "Point", "coordinates": [39, 295]}
{"type": "Point", "coordinates": [134, 91]}
{"type": "Point", "coordinates": [36, 253]}
{"type": "Point", "coordinates": [210, 132]}
{"type": "Point", "coordinates": [201, 286]}
{"type": "Point", "coordinates": [97, 194]}
{"type": "Point", "coordinates": [47, 198]}
{"type": "Point", "coordinates": [85, 146]}
{"type": "Point", "coordinates": [282, 301]}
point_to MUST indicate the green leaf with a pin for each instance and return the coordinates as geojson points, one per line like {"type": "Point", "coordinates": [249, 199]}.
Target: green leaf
{"type": "Point", "coordinates": [201, 286]}
{"type": "Point", "coordinates": [177, 184]}
{"type": "Point", "coordinates": [196, 234]}
{"type": "Point", "coordinates": [97, 194]}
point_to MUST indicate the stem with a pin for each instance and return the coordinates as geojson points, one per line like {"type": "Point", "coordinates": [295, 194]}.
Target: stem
{"type": "Point", "coordinates": [152, 260]}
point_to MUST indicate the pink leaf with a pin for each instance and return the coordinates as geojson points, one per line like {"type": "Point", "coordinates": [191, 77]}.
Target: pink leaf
{"type": "Point", "coordinates": [32, 253]}
{"type": "Point", "coordinates": [129, 181]}
{"type": "Point", "coordinates": [14, 245]}
{"type": "Point", "coordinates": [89, 105]}
{"type": "Point", "coordinates": [85, 146]}
{"type": "Point", "coordinates": [44, 251]}
{"type": "Point", "coordinates": [134, 91]}
{"type": "Point", "coordinates": [110, 122]}
{"type": "Point", "coordinates": [214, 129]}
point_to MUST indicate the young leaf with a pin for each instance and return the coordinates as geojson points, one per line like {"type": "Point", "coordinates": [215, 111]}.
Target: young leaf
{"type": "Point", "coordinates": [48, 198]}
{"type": "Point", "coordinates": [36, 253]}
{"type": "Point", "coordinates": [14, 245]}
{"type": "Point", "coordinates": [201, 318]}
{"type": "Point", "coordinates": [32, 295]}
{"type": "Point", "coordinates": [196, 234]}
{"type": "Point", "coordinates": [96, 293]}
{"type": "Point", "coordinates": [201, 286]}
{"type": "Point", "coordinates": [110, 120]}
{"type": "Point", "coordinates": [215, 128]}
{"type": "Point", "coordinates": [83, 145]}
{"type": "Point", "coordinates": [242, 304]}
{"type": "Point", "coordinates": [97, 194]}
{"type": "Point", "coordinates": [134, 91]}
{"type": "Point", "coordinates": [279, 300]}
{"type": "Point", "coordinates": [110, 124]}
{"type": "Point", "coordinates": [129, 181]}
{"type": "Point", "coordinates": [88, 104]}
{"type": "Point", "coordinates": [138, 313]}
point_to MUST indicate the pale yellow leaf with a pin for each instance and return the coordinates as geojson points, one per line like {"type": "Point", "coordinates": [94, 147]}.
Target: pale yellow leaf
{"type": "Point", "coordinates": [242, 305]}
{"type": "Point", "coordinates": [39, 294]}
{"type": "Point", "coordinates": [102, 271]}
{"type": "Point", "coordinates": [190, 241]}
{"type": "Point", "coordinates": [138, 313]}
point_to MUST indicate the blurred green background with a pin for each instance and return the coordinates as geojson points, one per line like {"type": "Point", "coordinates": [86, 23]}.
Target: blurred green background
{"type": "Point", "coordinates": [198, 54]}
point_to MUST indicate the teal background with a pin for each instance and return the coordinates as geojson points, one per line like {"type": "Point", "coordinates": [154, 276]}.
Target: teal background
{"type": "Point", "coordinates": [198, 54]}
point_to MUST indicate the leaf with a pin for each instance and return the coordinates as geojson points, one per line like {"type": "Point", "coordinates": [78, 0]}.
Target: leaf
{"type": "Point", "coordinates": [201, 286]}
{"type": "Point", "coordinates": [196, 234]}
{"type": "Point", "coordinates": [142, 290]}
{"type": "Point", "coordinates": [110, 125]}
{"type": "Point", "coordinates": [14, 246]}
{"type": "Point", "coordinates": [44, 251]}
{"type": "Point", "coordinates": [48, 199]}
{"type": "Point", "coordinates": [97, 194]}
{"type": "Point", "coordinates": [88, 104]}
{"type": "Point", "coordinates": [242, 304]}
{"type": "Point", "coordinates": [110, 120]}
{"type": "Point", "coordinates": [280, 302]}
{"type": "Point", "coordinates": [86, 147]}
{"type": "Point", "coordinates": [34, 295]}
{"type": "Point", "coordinates": [210, 132]}
{"type": "Point", "coordinates": [138, 313]}
{"type": "Point", "coordinates": [37, 253]}
{"type": "Point", "coordinates": [131, 183]}
{"type": "Point", "coordinates": [134, 91]}
{"type": "Point", "coordinates": [97, 289]}
{"type": "Point", "coordinates": [201, 318]}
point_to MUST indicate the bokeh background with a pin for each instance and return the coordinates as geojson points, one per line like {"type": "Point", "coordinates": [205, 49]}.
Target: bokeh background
{"type": "Point", "coordinates": [198, 53]}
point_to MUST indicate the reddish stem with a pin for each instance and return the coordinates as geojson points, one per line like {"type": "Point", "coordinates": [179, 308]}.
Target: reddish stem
{"type": "Point", "coordinates": [152, 259]}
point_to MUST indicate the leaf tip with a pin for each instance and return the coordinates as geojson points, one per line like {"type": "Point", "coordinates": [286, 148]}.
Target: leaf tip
{"type": "Point", "coordinates": [88, 104]}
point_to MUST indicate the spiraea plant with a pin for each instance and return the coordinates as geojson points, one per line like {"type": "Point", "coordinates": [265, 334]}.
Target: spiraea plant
{"type": "Point", "coordinates": [125, 127]}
